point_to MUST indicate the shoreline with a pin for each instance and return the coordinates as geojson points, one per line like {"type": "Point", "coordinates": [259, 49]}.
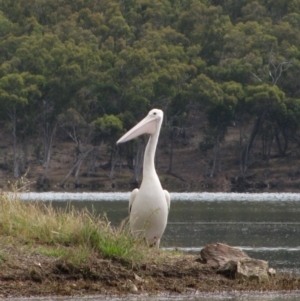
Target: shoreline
{"type": "Point", "coordinates": [175, 196]}
{"type": "Point", "coordinates": [27, 273]}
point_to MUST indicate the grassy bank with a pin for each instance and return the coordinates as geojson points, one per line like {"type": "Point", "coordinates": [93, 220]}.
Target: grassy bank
{"type": "Point", "coordinates": [44, 251]}
{"type": "Point", "coordinates": [68, 234]}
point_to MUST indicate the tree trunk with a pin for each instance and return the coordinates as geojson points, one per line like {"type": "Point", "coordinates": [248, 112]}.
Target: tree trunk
{"type": "Point", "coordinates": [92, 161]}
{"type": "Point", "coordinates": [25, 155]}
{"type": "Point", "coordinates": [49, 134]}
{"type": "Point", "coordinates": [138, 161]}
{"type": "Point", "coordinates": [76, 168]}
{"type": "Point", "coordinates": [16, 149]}
{"type": "Point", "coordinates": [270, 144]}
{"type": "Point", "coordinates": [130, 156]}
{"type": "Point", "coordinates": [115, 160]}
{"type": "Point", "coordinates": [170, 169]}
{"type": "Point", "coordinates": [216, 153]}
{"type": "Point", "coordinates": [244, 158]}
{"type": "Point", "coordinates": [281, 149]}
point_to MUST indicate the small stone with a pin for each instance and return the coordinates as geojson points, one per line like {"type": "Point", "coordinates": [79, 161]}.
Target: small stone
{"type": "Point", "coordinates": [138, 278]}
{"type": "Point", "coordinates": [272, 272]}
{"type": "Point", "coordinates": [130, 286]}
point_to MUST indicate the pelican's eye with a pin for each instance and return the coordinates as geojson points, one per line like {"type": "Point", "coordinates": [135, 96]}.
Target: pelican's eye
{"type": "Point", "coordinates": [154, 113]}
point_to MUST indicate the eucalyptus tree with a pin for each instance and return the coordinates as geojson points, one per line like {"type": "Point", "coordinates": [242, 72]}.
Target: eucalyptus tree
{"type": "Point", "coordinates": [236, 61]}
{"type": "Point", "coordinates": [176, 124]}
{"type": "Point", "coordinates": [108, 129]}
{"type": "Point", "coordinates": [172, 64]}
{"type": "Point", "coordinates": [69, 73]}
{"type": "Point", "coordinates": [220, 102]}
{"type": "Point", "coordinates": [5, 25]}
{"type": "Point", "coordinates": [17, 92]}
{"type": "Point", "coordinates": [264, 99]}
{"type": "Point", "coordinates": [259, 56]}
{"type": "Point", "coordinates": [206, 25]}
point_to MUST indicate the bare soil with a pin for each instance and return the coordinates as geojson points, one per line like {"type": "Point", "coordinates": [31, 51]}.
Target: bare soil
{"type": "Point", "coordinates": [25, 273]}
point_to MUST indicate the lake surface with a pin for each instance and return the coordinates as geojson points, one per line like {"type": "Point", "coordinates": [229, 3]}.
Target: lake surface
{"type": "Point", "coordinates": [266, 226]}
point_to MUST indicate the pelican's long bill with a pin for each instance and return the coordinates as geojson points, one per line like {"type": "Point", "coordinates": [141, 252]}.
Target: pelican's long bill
{"type": "Point", "coordinates": [145, 126]}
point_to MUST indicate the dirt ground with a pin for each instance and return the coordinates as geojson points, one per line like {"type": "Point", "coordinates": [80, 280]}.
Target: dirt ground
{"type": "Point", "coordinates": [25, 273]}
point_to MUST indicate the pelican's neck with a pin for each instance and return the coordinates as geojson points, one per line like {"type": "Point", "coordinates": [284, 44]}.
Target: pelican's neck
{"type": "Point", "coordinates": [149, 166]}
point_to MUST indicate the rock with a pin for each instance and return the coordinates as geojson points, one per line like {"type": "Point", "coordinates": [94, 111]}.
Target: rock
{"type": "Point", "coordinates": [272, 272]}
{"type": "Point", "coordinates": [253, 269]}
{"type": "Point", "coordinates": [235, 263]}
{"type": "Point", "coordinates": [138, 278]}
{"type": "Point", "coordinates": [216, 255]}
{"type": "Point", "coordinates": [130, 286]}
{"type": "Point", "coordinates": [228, 269]}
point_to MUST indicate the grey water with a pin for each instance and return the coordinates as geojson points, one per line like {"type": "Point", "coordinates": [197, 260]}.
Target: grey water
{"type": "Point", "coordinates": [234, 296]}
{"type": "Point", "coordinates": [266, 226]}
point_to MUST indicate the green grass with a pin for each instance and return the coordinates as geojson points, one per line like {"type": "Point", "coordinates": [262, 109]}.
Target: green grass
{"type": "Point", "coordinates": [3, 257]}
{"type": "Point", "coordinates": [75, 255]}
{"type": "Point", "coordinates": [54, 252]}
{"type": "Point", "coordinates": [68, 233]}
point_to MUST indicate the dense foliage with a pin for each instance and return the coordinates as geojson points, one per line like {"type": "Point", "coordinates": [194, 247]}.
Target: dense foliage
{"type": "Point", "coordinates": [93, 68]}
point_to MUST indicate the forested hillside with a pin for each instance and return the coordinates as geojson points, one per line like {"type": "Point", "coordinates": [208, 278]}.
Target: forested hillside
{"type": "Point", "coordinates": [76, 74]}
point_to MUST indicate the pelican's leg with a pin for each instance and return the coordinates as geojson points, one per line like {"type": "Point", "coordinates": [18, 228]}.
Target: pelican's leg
{"type": "Point", "coordinates": [154, 243]}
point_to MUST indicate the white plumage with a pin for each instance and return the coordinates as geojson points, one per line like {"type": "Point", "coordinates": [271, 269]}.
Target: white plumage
{"type": "Point", "coordinates": [148, 206]}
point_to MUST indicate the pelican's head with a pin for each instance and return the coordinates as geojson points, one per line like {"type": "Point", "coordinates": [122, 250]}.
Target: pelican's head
{"type": "Point", "coordinates": [149, 125]}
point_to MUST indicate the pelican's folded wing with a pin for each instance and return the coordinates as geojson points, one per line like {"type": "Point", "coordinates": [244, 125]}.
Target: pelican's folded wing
{"type": "Point", "coordinates": [168, 198]}
{"type": "Point", "coordinates": [132, 198]}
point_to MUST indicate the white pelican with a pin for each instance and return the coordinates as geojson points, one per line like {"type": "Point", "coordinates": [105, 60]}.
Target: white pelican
{"type": "Point", "coordinates": [148, 206]}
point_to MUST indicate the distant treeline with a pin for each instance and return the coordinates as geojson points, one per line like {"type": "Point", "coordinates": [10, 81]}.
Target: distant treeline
{"type": "Point", "coordinates": [92, 68]}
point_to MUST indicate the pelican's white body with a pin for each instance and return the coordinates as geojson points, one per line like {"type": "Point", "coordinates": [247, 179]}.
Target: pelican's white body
{"type": "Point", "coordinates": [148, 206]}
{"type": "Point", "coordinates": [149, 210]}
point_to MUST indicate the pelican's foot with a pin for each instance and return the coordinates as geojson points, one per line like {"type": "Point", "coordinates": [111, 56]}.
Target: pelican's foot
{"type": "Point", "coordinates": [155, 243]}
